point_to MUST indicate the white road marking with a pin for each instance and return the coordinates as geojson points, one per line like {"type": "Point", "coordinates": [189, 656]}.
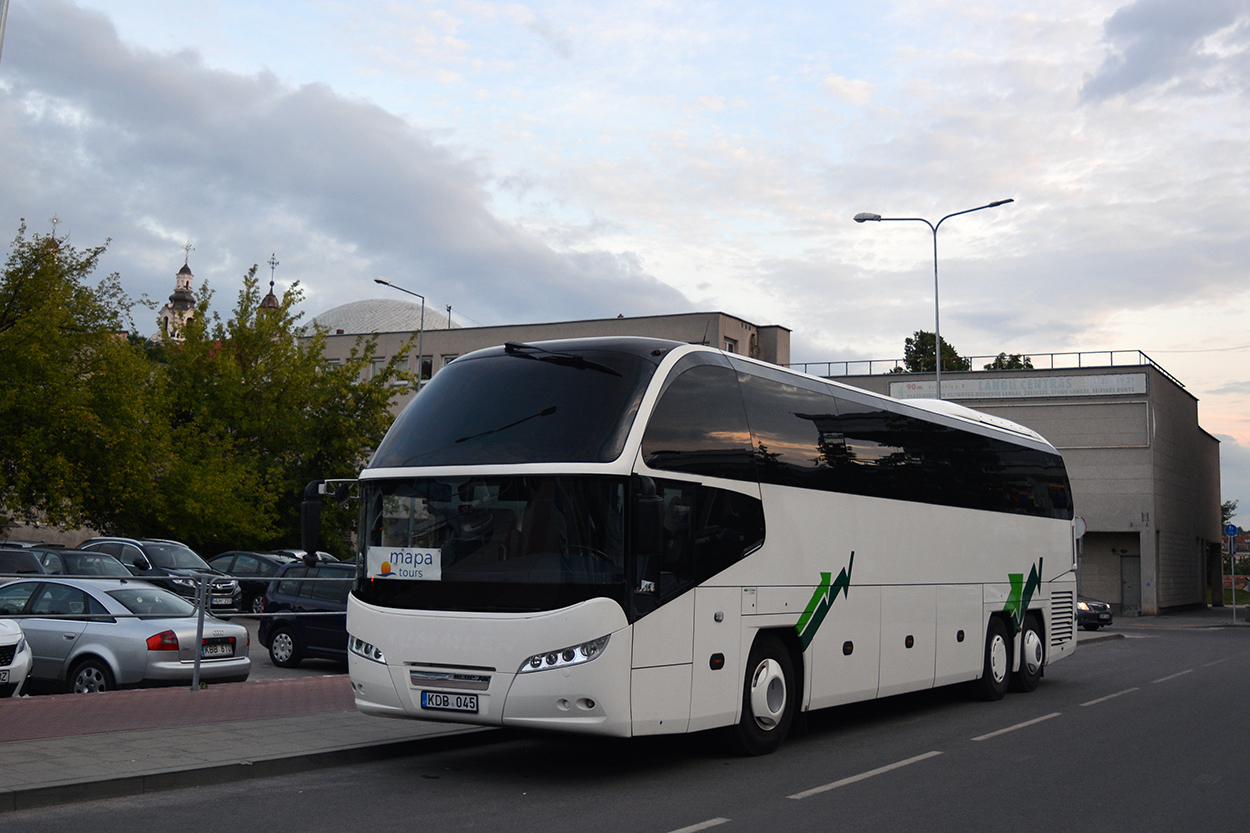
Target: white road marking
{"type": "Point", "coordinates": [703, 825]}
{"type": "Point", "coordinates": [1017, 726]}
{"type": "Point", "coordinates": [1173, 676]}
{"type": "Point", "coordinates": [1110, 696]}
{"type": "Point", "coordinates": [864, 775]}
{"type": "Point", "coordinates": [1217, 662]}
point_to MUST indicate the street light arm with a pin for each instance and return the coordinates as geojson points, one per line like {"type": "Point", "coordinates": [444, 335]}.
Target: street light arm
{"type": "Point", "coordinates": [994, 204]}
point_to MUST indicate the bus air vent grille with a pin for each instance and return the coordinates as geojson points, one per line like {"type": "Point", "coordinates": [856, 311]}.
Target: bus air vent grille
{"type": "Point", "coordinates": [1062, 616]}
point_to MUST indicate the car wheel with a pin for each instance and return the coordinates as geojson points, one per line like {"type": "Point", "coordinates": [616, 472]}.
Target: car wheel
{"type": "Point", "coordinates": [1090, 627]}
{"type": "Point", "coordinates": [996, 669]}
{"type": "Point", "coordinates": [284, 649]}
{"type": "Point", "coordinates": [89, 676]}
{"type": "Point", "coordinates": [769, 696]}
{"type": "Point", "coordinates": [1032, 656]}
{"type": "Point", "coordinates": [258, 604]}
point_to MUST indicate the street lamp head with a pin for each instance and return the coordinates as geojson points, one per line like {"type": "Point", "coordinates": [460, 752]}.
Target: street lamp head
{"type": "Point", "coordinates": [864, 217]}
{"type": "Point", "coordinates": [382, 281]}
{"type": "Point", "coordinates": [997, 203]}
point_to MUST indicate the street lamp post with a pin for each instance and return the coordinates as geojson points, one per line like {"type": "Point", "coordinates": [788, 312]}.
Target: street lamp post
{"type": "Point", "coordinates": [420, 333]}
{"type": "Point", "coordinates": [937, 324]}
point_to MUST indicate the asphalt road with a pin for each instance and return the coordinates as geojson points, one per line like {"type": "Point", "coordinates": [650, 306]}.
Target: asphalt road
{"type": "Point", "coordinates": [1144, 733]}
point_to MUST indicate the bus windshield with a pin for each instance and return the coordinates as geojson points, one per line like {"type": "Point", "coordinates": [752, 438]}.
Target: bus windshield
{"type": "Point", "coordinates": [523, 543]}
{"type": "Point", "coordinates": [524, 404]}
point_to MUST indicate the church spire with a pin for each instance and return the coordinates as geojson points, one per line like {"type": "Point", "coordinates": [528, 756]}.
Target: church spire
{"type": "Point", "coordinates": [270, 301]}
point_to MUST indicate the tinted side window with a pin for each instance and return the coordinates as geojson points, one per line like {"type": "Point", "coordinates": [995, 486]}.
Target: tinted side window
{"type": "Point", "coordinates": [246, 565]}
{"type": "Point", "coordinates": [13, 598]}
{"type": "Point", "coordinates": [222, 563]}
{"type": "Point", "coordinates": [288, 587]}
{"type": "Point", "coordinates": [705, 530]}
{"type": "Point", "coordinates": [699, 426]}
{"type": "Point", "coordinates": [333, 591]}
{"type": "Point", "coordinates": [790, 430]}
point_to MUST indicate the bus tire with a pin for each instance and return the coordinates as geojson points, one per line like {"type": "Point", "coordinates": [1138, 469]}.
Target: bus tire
{"type": "Point", "coordinates": [769, 697]}
{"type": "Point", "coordinates": [996, 670]}
{"type": "Point", "coordinates": [1032, 657]}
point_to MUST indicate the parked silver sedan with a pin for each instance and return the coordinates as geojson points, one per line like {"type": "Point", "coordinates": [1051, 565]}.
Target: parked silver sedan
{"type": "Point", "coordinates": [14, 658]}
{"type": "Point", "coordinates": [101, 634]}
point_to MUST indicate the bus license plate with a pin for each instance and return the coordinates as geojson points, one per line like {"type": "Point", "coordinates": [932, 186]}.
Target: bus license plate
{"type": "Point", "coordinates": [449, 702]}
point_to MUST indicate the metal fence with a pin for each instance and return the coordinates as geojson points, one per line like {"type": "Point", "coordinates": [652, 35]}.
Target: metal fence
{"type": "Point", "coordinates": [1040, 361]}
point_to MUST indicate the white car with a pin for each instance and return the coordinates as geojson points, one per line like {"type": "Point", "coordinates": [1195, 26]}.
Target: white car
{"type": "Point", "coordinates": [15, 659]}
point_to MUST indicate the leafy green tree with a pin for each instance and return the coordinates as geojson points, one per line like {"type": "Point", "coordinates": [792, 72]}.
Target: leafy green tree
{"type": "Point", "coordinates": [919, 354]}
{"type": "Point", "coordinates": [75, 429]}
{"type": "Point", "coordinates": [1015, 361]}
{"type": "Point", "coordinates": [1228, 509]}
{"type": "Point", "coordinates": [256, 412]}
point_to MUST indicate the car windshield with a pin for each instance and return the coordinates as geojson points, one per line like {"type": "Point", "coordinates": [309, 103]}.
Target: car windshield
{"type": "Point", "coordinates": [175, 556]}
{"type": "Point", "coordinates": [92, 564]}
{"type": "Point", "coordinates": [152, 601]}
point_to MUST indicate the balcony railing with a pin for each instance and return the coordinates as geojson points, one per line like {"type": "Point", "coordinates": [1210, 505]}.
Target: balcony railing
{"type": "Point", "coordinates": [1040, 361]}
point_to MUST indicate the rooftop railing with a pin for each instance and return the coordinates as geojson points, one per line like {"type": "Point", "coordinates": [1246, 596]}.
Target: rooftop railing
{"type": "Point", "coordinates": [1040, 361]}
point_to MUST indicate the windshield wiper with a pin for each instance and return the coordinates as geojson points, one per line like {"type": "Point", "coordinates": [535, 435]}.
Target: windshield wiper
{"type": "Point", "coordinates": [529, 351]}
{"type": "Point", "coordinates": [544, 412]}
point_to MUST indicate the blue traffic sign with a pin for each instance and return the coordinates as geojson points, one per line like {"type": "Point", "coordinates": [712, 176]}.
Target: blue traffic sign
{"type": "Point", "coordinates": [1230, 530]}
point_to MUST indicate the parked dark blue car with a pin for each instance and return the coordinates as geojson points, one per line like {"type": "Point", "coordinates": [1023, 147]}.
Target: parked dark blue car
{"type": "Point", "coordinates": [292, 639]}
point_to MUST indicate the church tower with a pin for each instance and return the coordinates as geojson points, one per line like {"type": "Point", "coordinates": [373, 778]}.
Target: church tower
{"type": "Point", "coordinates": [181, 307]}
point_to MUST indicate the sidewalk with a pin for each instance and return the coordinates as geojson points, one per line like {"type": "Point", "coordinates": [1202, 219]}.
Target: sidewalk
{"type": "Point", "coordinates": [65, 748]}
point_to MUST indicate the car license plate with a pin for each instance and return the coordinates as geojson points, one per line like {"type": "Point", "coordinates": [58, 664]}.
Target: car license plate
{"type": "Point", "coordinates": [449, 702]}
{"type": "Point", "coordinates": [4, 675]}
{"type": "Point", "coordinates": [221, 600]}
{"type": "Point", "coordinates": [217, 649]}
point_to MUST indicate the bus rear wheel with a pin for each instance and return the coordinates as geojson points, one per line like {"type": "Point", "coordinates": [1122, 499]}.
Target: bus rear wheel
{"type": "Point", "coordinates": [768, 697]}
{"type": "Point", "coordinates": [996, 671]}
{"type": "Point", "coordinates": [1032, 657]}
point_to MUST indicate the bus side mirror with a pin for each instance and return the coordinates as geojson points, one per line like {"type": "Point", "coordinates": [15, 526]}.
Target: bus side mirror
{"type": "Point", "coordinates": [310, 517]}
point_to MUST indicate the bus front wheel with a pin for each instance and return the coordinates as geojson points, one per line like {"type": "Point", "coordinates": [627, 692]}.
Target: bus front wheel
{"type": "Point", "coordinates": [768, 697]}
{"type": "Point", "coordinates": [996, 672]}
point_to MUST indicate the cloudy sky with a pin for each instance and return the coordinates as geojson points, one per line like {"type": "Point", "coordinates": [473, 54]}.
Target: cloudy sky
{"type": "Point", "coordinates": [538, 161]}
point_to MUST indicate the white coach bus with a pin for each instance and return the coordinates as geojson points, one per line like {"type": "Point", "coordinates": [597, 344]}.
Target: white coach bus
{"type": "Point", "coordinates": [629, 536]}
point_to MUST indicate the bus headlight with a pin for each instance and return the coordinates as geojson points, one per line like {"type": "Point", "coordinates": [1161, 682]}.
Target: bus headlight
{"type": "Point", "coordinates": [363, 649]}
{"type": "Point", "coordinates": [565, 657]}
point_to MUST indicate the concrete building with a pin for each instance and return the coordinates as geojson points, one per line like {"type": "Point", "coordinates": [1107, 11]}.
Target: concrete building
{"type": "Point", "coordinates": [394, 322]}
{"type": "Point", "coordinates": [1145, 475]}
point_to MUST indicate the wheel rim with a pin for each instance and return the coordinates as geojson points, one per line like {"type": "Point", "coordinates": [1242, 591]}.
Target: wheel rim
{"type": "Point", "coordinates": [1032, 651]}
{"type": "Point", "coordinates": [768, 694]}
{"type": "Point", "coordinates": [258, 604]}
{"type": "Point", "coordinates": [998, 658]}
{"type": "Point", "coordinates": [89, 680]}
{"type": "Point", "coordinates": [282, 647]}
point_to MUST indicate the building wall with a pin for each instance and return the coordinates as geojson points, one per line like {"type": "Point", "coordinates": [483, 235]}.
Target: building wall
{"type": "Point", "coordinates": [715, 329]}
{"type": "Point", "coordinates": [1145, 477]}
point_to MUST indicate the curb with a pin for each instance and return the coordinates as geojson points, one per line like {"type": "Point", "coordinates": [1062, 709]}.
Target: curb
{"type": "Point", "coordinates": [243, 770]}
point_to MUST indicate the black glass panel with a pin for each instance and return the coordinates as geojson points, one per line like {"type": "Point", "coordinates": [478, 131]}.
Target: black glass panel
{"type": "Point", "coordinates": [699, 425]}
{"type": "Point", "coordinates": [524, 404]}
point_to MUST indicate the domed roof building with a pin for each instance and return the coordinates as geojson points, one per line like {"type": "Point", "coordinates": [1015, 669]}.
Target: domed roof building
{"type": "Point", "coordinates": [380, 315]}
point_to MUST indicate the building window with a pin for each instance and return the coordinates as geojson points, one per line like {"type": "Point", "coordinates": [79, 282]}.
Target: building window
{"type": "Point", "coordinates": [448, 358]}
{"type": "Point", "coordinates": [731, 345]}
